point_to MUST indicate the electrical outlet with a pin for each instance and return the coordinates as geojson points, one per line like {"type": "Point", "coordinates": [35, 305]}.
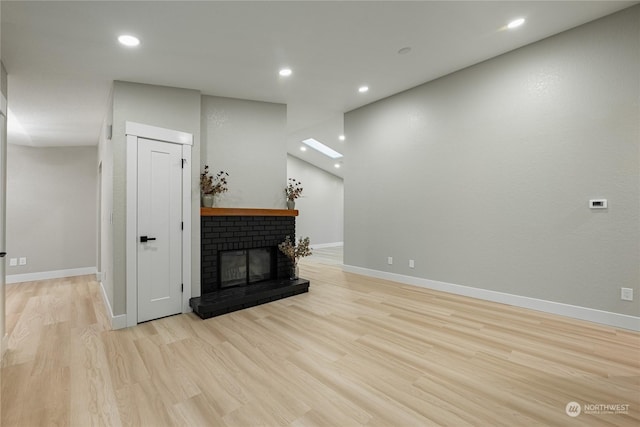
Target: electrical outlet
{"type": "Point", "coordinates": [412, 264]}
{"type": "Point", "coordinates": [13, 262]}
{"type": "Point", "coordinates": [390, 260]}
{"type": "Point", "coordinates": [23, 260]}
{"type": "Point", "coordinates": [626, 294]}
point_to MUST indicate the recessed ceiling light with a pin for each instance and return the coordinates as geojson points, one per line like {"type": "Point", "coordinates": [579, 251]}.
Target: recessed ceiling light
{"type": "Point", "coordinates": [285, 72]}
{"type": "Point", "coordinates": [341, 138]}
{"type": "Point", "coordinates": [337, 166]}
{"type": "Point", "coordinates": [515, 23]}
{"type": "Point", "coordinates": [317, 145]}
{"type": "Point", "coordinates": [303, 148]}
{"type": "Point", "coordinates": [128, 40]}
{"type": "Point", "coordinates": [404, 50]}
{"type": "Point", "coordinates": [363, 89]}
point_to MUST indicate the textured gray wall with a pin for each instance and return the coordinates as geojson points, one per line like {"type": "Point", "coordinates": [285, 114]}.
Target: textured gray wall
{"type": "Point", "coordinates": [166, 107]}
{"type": "Point", "coordinates": [247, 140]}
{"type": "Point", "coordinates": [483, 177]}
{"type": "Point", "coordinates": [51, 207]}
{"type": "Point", "coordinates": [321, 208]}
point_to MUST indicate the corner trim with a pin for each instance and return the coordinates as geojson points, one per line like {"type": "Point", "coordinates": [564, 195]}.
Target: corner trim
{"type": "Point", "coordinates": [576, 312]}
{"type": "Point", "coordinates": [45, 275]}
{"type": "Point", "coordinates": [117, 322]}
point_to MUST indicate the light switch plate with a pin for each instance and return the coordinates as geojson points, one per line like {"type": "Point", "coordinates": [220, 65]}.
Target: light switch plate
{"type": "Point", "coordinates": [13, 262]}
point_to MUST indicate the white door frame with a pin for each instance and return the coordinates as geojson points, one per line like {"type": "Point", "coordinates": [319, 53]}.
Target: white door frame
{"type": "Point", "coordinates": [133, 131]}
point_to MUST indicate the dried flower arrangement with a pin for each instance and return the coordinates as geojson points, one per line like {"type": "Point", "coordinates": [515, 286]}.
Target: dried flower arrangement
{"type": "Point", "coordinates": [213, 184]}
{"type": "Point", "coordinates": [293, 190]}
{"type": "Point", "coordinates": [293, 251]}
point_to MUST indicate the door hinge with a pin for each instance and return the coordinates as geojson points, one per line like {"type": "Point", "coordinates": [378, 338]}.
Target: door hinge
{"type": "Point", "coordinates": [182, 287]}
{"type": "Point", "coordinates": [182, 225]}
{"type": "Point", "coordinates": [183, 162]}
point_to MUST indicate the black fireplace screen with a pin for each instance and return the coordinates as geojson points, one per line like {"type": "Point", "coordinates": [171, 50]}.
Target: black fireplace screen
{"type": "Point", "coordinates": [246, 266]}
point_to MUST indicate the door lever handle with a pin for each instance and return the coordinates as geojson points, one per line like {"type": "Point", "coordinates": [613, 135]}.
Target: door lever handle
{"type": "Point", "coordinates": [2, 254]}
{"type": "Point", "coordinates": [144, 239]}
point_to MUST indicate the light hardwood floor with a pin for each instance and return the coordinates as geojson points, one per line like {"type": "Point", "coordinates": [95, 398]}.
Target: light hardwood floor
{"type": "Point", "coordinates": [328, 256]}
{"type": "Point", "coordinates": [353, 351]}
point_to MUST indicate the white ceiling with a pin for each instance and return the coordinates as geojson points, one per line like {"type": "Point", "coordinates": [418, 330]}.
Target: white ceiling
{"type": "Point", "coordinates": [62, 56]}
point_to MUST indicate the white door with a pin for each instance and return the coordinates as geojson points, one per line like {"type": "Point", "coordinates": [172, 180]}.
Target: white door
{"type": "Point", "coordinates": [3, 194]}
{"type": "Point", "coordinates": [159, 229]}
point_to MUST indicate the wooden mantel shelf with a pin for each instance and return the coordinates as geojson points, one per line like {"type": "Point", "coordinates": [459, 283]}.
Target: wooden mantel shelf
{"type": "Point", "coordinates": [247, 212]}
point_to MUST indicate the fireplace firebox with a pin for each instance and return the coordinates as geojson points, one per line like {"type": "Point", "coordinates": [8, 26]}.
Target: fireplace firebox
{"type": "Point", "coordinates": [243, 267]}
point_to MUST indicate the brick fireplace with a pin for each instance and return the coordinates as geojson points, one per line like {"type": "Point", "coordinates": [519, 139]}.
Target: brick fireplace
{"type": "Point", "coordinates": [225, 233]}
{"type": "Point", "coordinates": [236, 234]}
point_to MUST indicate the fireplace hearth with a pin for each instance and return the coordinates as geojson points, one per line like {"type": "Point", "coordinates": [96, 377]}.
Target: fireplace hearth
{"type": "Point", "coordinates": [241, 265]}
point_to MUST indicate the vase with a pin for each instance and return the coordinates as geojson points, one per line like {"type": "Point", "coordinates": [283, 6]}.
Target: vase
{"type": "Point", "coordinates": [294, 272]}
{"type": "Point", "coordinates": [291, 204]}
{"type": "Point", "coordinates": [207, 200]}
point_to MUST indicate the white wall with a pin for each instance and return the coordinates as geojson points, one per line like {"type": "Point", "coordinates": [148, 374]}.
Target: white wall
{"type": "Point", "coordinates": [483, 177]}
{"type": "Point", "coordinates": [247, 140]}
{"type": "Point", "coordinates": [321, 209]}
{"type": "Point", "coordinates": [51, 208]}
{"type": "Point", "coordinates": [105, 224]}
{"type": "Point", "coordinates": [166, 107]}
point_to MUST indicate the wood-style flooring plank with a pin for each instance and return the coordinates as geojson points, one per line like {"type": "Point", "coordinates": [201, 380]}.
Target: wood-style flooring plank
{"type": "Point", "coordinates": [354, 351]}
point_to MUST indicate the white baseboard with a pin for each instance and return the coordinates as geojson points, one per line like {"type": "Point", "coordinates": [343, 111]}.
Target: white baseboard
{"type": "Point", "coordinates": [583, 313]}
{"type": "Point", "coordinates": [327, 245]}
{"type": "Point", "coordinates": [117, 322]}
{"type": "Point", "coordinates": [45, 275]}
